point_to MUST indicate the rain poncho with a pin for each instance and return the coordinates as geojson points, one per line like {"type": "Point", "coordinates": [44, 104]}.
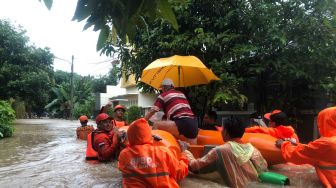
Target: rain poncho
{"type": "Point", "coordinates": [145, 165]}
{"type": "Point", "coordinates": [237, 163]}
{"type": "Point", "coordinates": [320, 153]}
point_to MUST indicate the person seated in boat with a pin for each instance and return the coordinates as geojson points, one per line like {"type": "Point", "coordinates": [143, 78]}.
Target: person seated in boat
{"type": "Point", "coordinates": [278, 127]}
{"type": "Point", "coordinates": [84, 129]}
{"type": "Point", "coordinates": [180, 118]}
{"type": "Point", "coordinates": [320, 153]}
{"type": "Point", "coordinates": [209, 121]}
{"type": "Point", "coordinates": [238, 163]}
{"type": "Point", "coordinates": [144, 165]}
{"type": "Point", "coordinates": [105, 139]}
{"type": "Point", "coordinates": [119, 111]}
{"type": "Point", "coordinates": [256, 120]}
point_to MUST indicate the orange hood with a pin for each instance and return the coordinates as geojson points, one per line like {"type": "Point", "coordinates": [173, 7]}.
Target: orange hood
{"type": "Point", "coordinates": [326, 121]}
{"type": "Point", "coordinates": [139, 133]}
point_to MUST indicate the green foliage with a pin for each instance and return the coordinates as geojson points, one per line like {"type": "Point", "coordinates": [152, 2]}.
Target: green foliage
{"type": "Point", "coordinates": [60, 106]}
{"type": "Point", "coordinates": [7, 116]}
{"type": "Point", "coordinates": [121, 17]}
{"type": "Point", "coordinates": [19, 108]}
{"type": "Point", "coordinates": [26, 71]}
{"type": "Point", "coordinates": [6, 131]}
{"type": "Point", "coordinates": [272, 53]}
{"type": "Point", "coordinates": [133, 113]}
{"type": "Point", "coordinates": [84, 108]}
{"type": "Point", "coordinates": [83, 98]}
{"type": "Point", "coordinates": [110, 112]}
{"type": "Point", "coordinates": [99, 84]}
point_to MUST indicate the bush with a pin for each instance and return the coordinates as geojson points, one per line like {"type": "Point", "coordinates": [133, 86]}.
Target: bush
{"type": "Point", "coordinates": [7, 116]}
{"type": "Point", "coordinates": [6, 131]}
{"type": "Point", "coordinates": [133, 113]}
{"type": "Point", "coordinates": [83, 109]}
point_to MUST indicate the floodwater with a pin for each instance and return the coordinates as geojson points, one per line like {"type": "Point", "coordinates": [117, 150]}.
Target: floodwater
{"type": "Point", "coordinates": [46, 153]}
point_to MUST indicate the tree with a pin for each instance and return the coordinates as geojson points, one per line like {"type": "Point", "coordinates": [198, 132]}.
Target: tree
{"type": "Point", "coordinates": [121, 17]}
{"type": "Point", "coordinates": [60, 106]}
{"type": "Point", "coordinates": [83, 97]}
{"type": "Point", "coordinates": [26, 71]}
{"type": "Point", "coordinates": [273, 53]}
{"type": "Point", "coordinates": [277, 53]}
{"type": "Point", "coordinates": [112, 78]}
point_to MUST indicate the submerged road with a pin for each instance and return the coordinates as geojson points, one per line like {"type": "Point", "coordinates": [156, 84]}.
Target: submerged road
{"type": "Point", "coordinates": [46, 153]}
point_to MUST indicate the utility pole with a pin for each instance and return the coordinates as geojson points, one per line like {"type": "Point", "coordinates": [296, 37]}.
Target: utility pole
{"type": "Point", "coordinates": [72, 88]}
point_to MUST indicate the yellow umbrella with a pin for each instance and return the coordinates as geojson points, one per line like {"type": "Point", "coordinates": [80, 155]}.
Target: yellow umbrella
{"type": "Point", "coordinates": [183, 70]}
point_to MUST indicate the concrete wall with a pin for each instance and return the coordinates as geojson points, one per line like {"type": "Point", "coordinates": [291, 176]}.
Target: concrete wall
{"type": "Point", "coordinates": [146, 100]}
{"type": "Point", "coordinates": [111, 91]}
{"type": "Point", "coordinates": [132, 90]}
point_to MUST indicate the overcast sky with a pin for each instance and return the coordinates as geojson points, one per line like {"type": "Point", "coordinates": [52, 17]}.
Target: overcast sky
{"type": "Point", "coordinates": [54, 29]}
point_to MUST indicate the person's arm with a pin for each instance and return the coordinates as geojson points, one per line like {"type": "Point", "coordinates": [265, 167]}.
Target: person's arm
{"type": "Point", "coordinates": [150, 114]}
{"type": "Point", "coordinates": [195, 165]}
{"type": "Point", "coordinates": [178, 167]}
{"type": "Point", "coordinates": [257, 129]}
{"type": "Point", "coordinates": [157, 106]}
{"type": "Point", "coordinates": [305, 153]}
{"type": "Point", "coordinates": [106, 107]}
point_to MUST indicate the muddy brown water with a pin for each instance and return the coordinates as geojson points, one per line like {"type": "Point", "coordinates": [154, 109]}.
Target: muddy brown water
{"type": "Point", "coordinates": [46, 153]}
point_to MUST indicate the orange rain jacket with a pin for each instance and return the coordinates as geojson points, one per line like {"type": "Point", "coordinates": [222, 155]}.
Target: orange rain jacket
{"type": "Point", "coordinates": [106, 145]}
{"type": "Point", "coordinates": [320, 153]}
{"type": "Point", "coordinates": [280, 132]}
{"type": "Point", "coordinates": [119, 124]}
{"type": "Point", "coordinates": [145, 165]}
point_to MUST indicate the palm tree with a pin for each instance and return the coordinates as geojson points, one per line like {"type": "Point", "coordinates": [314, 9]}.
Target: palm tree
{"type": "Point", "coordinates": [83, 99]}
{"type": "Point", "coordinates": [61, 105]}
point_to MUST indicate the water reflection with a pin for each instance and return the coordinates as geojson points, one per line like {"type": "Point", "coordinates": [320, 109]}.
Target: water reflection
{"type": "Point", "coordinates": [46, 153]}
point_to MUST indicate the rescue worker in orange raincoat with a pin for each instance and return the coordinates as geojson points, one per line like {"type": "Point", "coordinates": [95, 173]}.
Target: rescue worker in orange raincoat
{"type": "Point", "coordinates": [105, 139]}
{"type": "Point", "coordinates": [278, 127]}
{"type": "Point", "coordinates": [238, 163]}
{"type": "Point", "coordinates": [119, 111]}
{"type": "Point", "coordinates": [144, 165]}
{"type": "Point", "coordinates": [84, 129]}
{"type": "Point", "coordinates": [320, 153]}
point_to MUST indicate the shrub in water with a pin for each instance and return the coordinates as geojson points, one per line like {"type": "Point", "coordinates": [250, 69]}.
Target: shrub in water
{"type": "Point", "coordinates": [133, 113]}
{"type": "Point", "coordinates": [7, 116]}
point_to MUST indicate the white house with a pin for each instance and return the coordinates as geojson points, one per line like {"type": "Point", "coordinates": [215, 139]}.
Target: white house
{"type": "Point", "coordinates": [126, 93]}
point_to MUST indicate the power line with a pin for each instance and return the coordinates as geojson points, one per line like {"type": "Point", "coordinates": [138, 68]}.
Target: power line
{"type": "Point", "coordinates": [104, 61]}
{"type": "Point", "coordinates": [62, 59]}
{"type": "Point", "coordinates": [98, 62]}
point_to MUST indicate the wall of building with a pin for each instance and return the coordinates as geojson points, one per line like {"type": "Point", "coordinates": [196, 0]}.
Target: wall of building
{"type": "Point", "coordinates": [146, 100]}
{"type": "Point", "coordinates": [111, 91]}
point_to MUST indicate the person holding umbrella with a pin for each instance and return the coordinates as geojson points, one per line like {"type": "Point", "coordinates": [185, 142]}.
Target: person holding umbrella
{"type": "Point", "coordinates": [180, 118]}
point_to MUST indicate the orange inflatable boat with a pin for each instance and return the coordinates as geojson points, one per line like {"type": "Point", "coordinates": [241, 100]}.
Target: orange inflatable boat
{"type": "Point", "coordinates": [208, 139]}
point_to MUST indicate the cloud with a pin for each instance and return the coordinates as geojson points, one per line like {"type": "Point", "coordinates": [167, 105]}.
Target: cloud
{"type": "Point", "coordinates": [54, 29]}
